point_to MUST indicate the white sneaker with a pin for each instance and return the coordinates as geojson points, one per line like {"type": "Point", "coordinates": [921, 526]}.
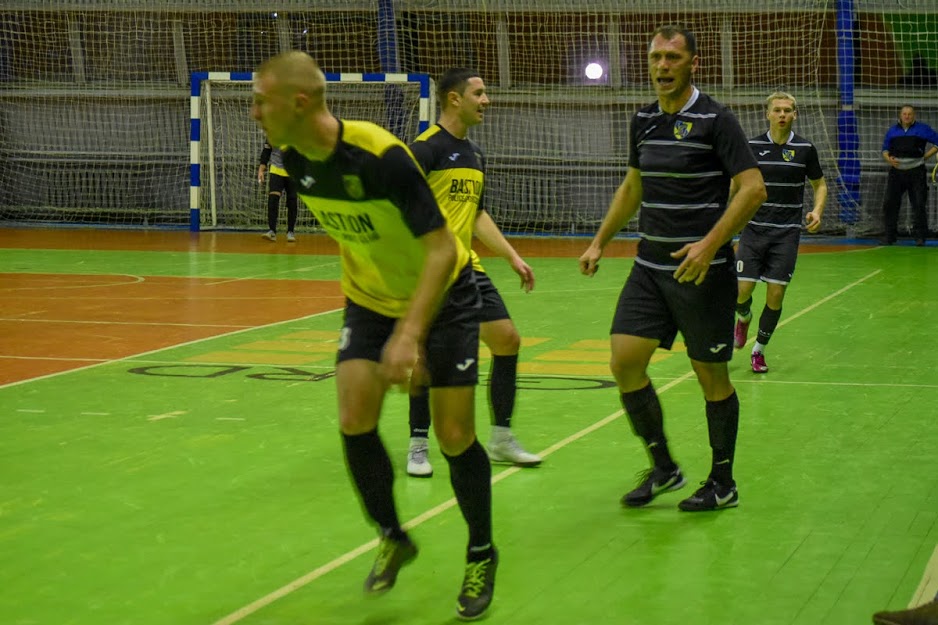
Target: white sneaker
{"type": "Point", "coordinates": [291, 238]}
{"type": "Point", "coordinates": [504, 448]}
{"type": "Point", "coordinates": [418, 462]}
{"type": "Point", "coordinates": [270, 235]}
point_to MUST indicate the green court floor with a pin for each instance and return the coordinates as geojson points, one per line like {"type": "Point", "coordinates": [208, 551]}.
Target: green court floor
{"type": "Point", "coordinates": [204, 483]}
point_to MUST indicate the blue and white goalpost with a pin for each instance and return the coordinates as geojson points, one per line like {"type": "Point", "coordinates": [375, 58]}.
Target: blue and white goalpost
{"type": "Point", "coordinates": [224, 142]}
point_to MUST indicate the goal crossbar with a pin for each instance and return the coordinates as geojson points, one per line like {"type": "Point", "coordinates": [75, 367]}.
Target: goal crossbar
{"type": "Point", "coordinates": [201, 88]}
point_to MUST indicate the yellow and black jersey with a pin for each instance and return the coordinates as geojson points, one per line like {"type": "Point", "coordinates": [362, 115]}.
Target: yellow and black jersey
{"type": "Point", "coordinates": [273, 157]}
{"type": "Point", "coordinates": [456, 171]}
{"type": "Point", "coordinates": [371, 196]}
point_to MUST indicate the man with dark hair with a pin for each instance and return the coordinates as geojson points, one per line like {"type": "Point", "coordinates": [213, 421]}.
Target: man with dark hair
{"type": "Point", "coordinates": [685, 149]}
{"type": "Point", "coordinates": [904, 149]}
{"type": "Point", "coordinates": [401, 267]}
{"type": "Point", "coordinates": [768, 246]}
{"type": "Point", "coordinates": [455, 168]}
{"type": "Point", "coordinates": [271, 162]}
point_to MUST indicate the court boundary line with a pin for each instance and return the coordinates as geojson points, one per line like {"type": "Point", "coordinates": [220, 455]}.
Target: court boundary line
{"type": "Point", "coordinates": [126, 323]}
{"type": "Point", "coordinates": [306, 579]}
{"type": "Point", "coordinates": [160, 349]}
{"type": "Point", "coordinates": [928, 588]}
{"type": "Point", "coordinates": [302, 269]}
{"type": "Point", "coordinates": [12, 289]}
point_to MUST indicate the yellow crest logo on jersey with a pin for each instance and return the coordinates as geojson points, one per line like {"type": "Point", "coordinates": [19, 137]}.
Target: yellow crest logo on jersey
{"type": "Point", "coordinates": [682, 129]}
{"type": "Point", "coordinates": [354, 187]}
{"type": "Point", "coordinates": [787, 155]}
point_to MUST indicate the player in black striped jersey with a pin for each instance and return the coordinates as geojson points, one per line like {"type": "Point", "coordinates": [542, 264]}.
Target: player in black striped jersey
{"type": "Point", "coordinates": [455, 167]}
{"type": "Point", "coordinates": [684, 151]}
{"type": "Point", "coordinates": [768, 245]}
{"type": "Point", "coordinates": [409, 290]}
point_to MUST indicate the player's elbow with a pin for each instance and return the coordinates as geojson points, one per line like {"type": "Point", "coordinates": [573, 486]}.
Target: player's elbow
{"type": "Point", "coordinates": [759, 193]}
{"type": "Point", "coordinates": [443, 251]}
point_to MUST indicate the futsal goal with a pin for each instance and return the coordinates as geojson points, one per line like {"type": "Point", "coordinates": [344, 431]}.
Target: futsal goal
{"type": "Point", "coordinates": [225, 142]}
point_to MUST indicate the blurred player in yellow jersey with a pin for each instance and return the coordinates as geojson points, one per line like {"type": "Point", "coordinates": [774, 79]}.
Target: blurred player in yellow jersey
{"type": "Point", "coordinates": [455, 168]}
{"type": "Point", "coordinates": [411, 305]}
{"type": "Point", "coordinates": [271, 163]}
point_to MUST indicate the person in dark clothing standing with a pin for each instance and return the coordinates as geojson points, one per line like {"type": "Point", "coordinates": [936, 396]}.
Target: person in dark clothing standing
{"type": "Point", "coordinates": [271, 162]}
{"type": "Point", "coordinates": [904, 150]}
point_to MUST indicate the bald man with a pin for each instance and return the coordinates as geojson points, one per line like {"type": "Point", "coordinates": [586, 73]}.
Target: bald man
{"type": "Point", "coordinates": [412, 305]}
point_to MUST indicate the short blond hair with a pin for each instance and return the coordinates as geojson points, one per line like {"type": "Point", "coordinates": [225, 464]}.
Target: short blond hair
{"type": "Point", "coordinates": [296, 71]}
{"type": "Point", "coordinates": [781, 95]}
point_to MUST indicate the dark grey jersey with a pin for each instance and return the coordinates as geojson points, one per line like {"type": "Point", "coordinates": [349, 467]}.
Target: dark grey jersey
{"type": "Point", "coordinates": [785, 168]}
{"type": "Point", "coordinates": [686, 160]}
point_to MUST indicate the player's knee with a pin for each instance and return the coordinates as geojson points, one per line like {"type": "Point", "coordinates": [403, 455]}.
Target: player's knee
{"type": "Point", "coordinates": [454, 436]}
{"type": "Point", "coordinates": [351, 425]}
{"type": "Point", "coordinates": [504, 343]}
{"type": "Point", "coordinates": [629, 373]}
{"type": "Point", "coordinates": [714, 379]}
{"type": "Point", "coordinates": [774, 295]}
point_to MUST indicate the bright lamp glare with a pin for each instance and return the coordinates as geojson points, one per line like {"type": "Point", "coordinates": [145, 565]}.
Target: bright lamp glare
{"type": "Point", "coordinates": [594, 71]}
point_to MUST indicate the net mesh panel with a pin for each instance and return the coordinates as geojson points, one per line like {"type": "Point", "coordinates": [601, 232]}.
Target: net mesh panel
{"type": "Point", "coordinates": [94, 93]}
{"type": "Point", "coordinates": [240, 202]}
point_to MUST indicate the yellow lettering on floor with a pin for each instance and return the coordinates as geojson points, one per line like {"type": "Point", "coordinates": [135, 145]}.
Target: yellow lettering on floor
{"type": "Point", "coordinates": [314, 347]}
{"type": "Point", "coordinates": [566, 368]}
{"type": "Point", "coordinates": [261, 358]}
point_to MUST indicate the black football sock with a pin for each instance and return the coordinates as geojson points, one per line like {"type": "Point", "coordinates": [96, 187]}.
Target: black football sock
{"type": "Point", "coordinates": [767, 324]}
{"type": "Point", "coordinates": [471, 476]}
{"type": "Point", "coordinates": [371, 470]}
{"type": "Point", "coordinates": [503, 389]}
{"type": "Point", "coordinates": [744, 310]}
{"type": "Point", "coordinates": [420, 414]}
{"type": "Point", "coordinates": [723, 425]}
{"type": "Point", "coordinates": [273, 211]}
{"type": "Point", "coordinates": [644, 411]}
{"type": "Point", "coordinates": [292, 212]}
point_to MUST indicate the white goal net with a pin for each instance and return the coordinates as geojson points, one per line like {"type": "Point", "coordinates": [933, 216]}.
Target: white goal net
{"type": "Point", "coordinates": [226, 143]}
{"type": "Point", "coordinates": [94, 95]}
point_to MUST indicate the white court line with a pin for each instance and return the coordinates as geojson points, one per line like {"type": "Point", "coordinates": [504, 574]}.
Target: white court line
{"type": "Point", "coordinates": [135, 280]}
{"type": "Point", "coordinates": [127, 323]}
{"type": "Point", "coordinates": [315, 574]}
{"type": "Point", "coordinates": [211, 298]}
{"type": "Point", "coordinates": [928, 587]}
{"type": "Point", "coordinates": [161, 349]}
{"type": "Point", "coordinates": [266, 276]}
{"type": "Point", "coordinates": [345, 558]}
{"type": "Point", "coordinates": [98, 360]}
{"type": "Point", "coordinates": [814, 383]}
{"type": "Point", "coordinates": [822, 301]}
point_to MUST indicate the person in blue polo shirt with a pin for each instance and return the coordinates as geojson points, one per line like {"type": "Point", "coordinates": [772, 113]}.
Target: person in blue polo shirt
{"type": "Point", "coordinates": [904, 150]}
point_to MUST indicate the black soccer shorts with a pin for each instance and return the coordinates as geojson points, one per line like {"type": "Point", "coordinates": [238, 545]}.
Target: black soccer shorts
{"type": "Point", "coordinates": [654, 305]}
